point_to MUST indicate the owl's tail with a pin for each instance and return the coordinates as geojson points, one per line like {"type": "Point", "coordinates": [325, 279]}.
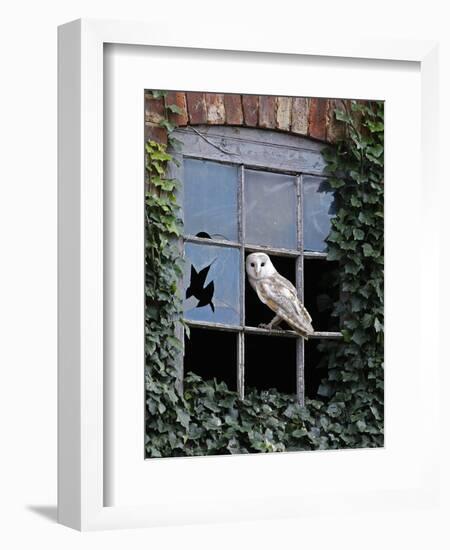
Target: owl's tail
{"type": "Point", "coordinates": [304, 331]}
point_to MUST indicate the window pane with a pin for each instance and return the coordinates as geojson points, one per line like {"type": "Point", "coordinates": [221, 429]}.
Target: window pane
{"type": "Point", "coordinates": [212, 284]}
{"type": "Point", "coordinates": [210, 199]}
{"type": "Point", "coordinates": [270, 209]}
{"type": "Point", "coordinates": [318, 210]}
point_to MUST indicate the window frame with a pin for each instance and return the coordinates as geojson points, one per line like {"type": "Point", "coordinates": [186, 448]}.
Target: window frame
{"type": "Point", "coordinates": [267, 151]}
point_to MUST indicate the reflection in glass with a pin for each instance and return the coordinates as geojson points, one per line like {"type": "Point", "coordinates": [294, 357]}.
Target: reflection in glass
{"type": "Point", "coordinates": [210, 199]}
{"type": "Point", "coordinates": [212, 284]}
{"type": "Point", "coordinates": [270, 209]}
{"type": "Point", "coordinates": [318, 210]}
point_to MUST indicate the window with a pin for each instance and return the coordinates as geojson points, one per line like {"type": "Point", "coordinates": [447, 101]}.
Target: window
{"type": "Point", "coordinates": [247, 190]}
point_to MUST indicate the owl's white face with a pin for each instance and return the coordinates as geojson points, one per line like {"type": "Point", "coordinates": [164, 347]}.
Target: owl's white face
{"type": "Point", "coordinates": [259, 266]}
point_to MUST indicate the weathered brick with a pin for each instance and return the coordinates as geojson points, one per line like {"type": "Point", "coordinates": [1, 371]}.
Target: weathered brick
{"type": "Point", "coordinates": [178, 99]}
{"type": "Point", "coordinates": [155, 132]}
{"type": "Point", "coordinates": [267, 111]}
{"type": "Point", "coordinates": [284, 108]}
{"type": "Point", "coordinates": [250, 104]}
{"type": "Point", "coordinates": [154, 109]}
{"type": "Point", "coordinates": [300, 110]}
{"type": "Point", "coordinates": [215, 109]}
{"type": "Point", "coordinates": [233, 109]}
{"type": "Point", "coordinates": [317, 120]}
{"type": "Point", "coordinates": [196, 107]}
{"type": "Point", "coordinates": [335, 128]}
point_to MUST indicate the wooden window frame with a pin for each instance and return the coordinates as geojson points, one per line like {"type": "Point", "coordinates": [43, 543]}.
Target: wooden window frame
{"type": "Point", "coordinates": [268, 151]}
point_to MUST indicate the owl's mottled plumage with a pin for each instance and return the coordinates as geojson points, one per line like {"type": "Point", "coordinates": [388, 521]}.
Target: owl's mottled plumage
{"type": "Point", "coordinates": [278, 294]}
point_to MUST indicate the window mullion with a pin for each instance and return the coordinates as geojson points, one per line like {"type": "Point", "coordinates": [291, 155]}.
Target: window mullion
{"type": "Point", "coordinates": [299, 279]}
{"type": "Point", "coordinates": [240, 336]}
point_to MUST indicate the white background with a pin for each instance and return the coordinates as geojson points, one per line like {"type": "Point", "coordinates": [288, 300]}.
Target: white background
{"type": "Point", "coordinates": [28, 269]}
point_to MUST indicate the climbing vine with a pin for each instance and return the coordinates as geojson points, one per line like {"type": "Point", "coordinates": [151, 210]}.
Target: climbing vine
{"type": "Point", "coordinates": [208, 418]}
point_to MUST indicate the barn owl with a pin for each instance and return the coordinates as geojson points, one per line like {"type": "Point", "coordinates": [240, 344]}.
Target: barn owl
{"type": "Point", "coordinates": [277, 293]}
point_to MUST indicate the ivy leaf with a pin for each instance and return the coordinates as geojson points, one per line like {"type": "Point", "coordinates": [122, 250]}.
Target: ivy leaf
{"type": "Point", "coordinates": [355, 201]}
{"type": "Point", "coordinates": [334, 410]}
{"type": "Point", "coordinates": [342, 116]}
{"type": "Point", "coordinates": [376, 126]}
{"type": "Point", "coordinates": [299, 433]}
{"type": "Point", "coordinates": [368, 250]}
{"type": "Point", "coordinates": [158, 94]}
{"type": "Point", "coordinates": [324, 390]}
{"type": "Point", "coordinates": [333, 254]}
{"type": "Point", "coordinates": [360, 337]}
{"type": "Point", "coordinates": [377, 325]}
{"type": "Point", "coordinates": [176, 145]}
{"type": "Point", "coordinates": [175, 109]}
{"type": "Point", "coordinates": [183, 418]}
{"type": "Point", "coordinates": [169, 126]}
{"type": "Point", "coordinates": [361, 425]}
{"type": "Point", "coordinates": [375, 150]}
{"type": "Point", "coordinates": [358, 234]}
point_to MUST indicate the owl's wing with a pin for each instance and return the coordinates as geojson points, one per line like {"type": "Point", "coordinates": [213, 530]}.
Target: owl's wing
{"type": "Point", "coordinates": [281, 296]}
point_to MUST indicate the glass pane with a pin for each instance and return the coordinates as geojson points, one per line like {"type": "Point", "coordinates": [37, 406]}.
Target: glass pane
{"type": "Point", "coordinates": [270, 202]}
{"type": "Point", "coordinates": [319, 208]}
{"type": "Point", "coordinates": [212, 284]}
{"type": "Point", "coordinates": [210, 199]}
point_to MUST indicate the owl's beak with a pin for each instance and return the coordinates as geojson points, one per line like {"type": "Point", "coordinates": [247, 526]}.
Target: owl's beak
{"type": "Point", "coordinates": [258, 271]}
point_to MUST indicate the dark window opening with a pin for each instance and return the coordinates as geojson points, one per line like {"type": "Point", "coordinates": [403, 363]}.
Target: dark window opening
{"type": "Point", "coordinates": [270, 362]}
{"type": "Point", "coordinates": [321, 293]}
{"type": "Point", "coordinates": [315, 367]}
{"type": "Point", "coordinates": [212, 354]}
{"type": "Point", "coordinates": [255, 311]}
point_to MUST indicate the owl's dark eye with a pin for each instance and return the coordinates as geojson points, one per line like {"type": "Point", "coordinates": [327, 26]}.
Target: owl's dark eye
{"type": "Point", "coordinates": [253, 265]}
{"type": "Point", "coordinates": [262, 265]}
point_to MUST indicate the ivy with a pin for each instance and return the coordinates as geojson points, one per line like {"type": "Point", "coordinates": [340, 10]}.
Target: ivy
{"type": "Point", "coordinates": [208, 418]}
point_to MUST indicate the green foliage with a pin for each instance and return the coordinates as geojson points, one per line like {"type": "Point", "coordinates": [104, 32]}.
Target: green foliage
{"type": "Point", "coordinates": [163, 268]}
{"type": "Point", "coordinates": [355, 370]}
{"type": "Point", "coordinates": [208, 418]}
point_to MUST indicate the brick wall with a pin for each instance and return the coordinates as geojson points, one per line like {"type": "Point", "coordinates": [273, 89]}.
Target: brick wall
{"type": "Point", "coordinates": [311, 117]}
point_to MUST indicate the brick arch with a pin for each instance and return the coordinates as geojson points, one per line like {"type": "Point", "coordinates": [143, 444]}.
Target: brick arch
{"type": "Point", "coordinates": [310, 117]}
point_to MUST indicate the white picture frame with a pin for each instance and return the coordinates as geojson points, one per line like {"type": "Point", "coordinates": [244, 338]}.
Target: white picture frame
{"type": "Point", "coordinates": [83, 399]}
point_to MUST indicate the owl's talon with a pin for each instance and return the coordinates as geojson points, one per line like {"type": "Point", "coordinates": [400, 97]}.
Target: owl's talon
{"type": "Point", "coordinates": [270, 327]}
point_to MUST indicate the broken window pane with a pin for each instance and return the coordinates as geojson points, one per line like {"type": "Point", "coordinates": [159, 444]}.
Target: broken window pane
{"type": "Point", "coordinates": [318, 209]}
{"type": "Point", "coordinates": [321, 291]}
{"type": "Point", "coordinates": [270, 202]}
{"type": "Point", "coordinates": [255, 311]}
{"type": "Point", "coordinates": [212, 284]}
{"type": "Point", "coordinates": [270, 362]}
{"type": "Point", "coordinates": [210, 199]}
{"type": "Point", "coordinates": [201, 357]}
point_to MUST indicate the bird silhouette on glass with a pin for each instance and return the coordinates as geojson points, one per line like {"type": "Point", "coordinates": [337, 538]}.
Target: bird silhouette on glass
{"type": "Point", "coordinates": [204, 294]}
{"type": "Point", "coordinates": [279, 294]}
